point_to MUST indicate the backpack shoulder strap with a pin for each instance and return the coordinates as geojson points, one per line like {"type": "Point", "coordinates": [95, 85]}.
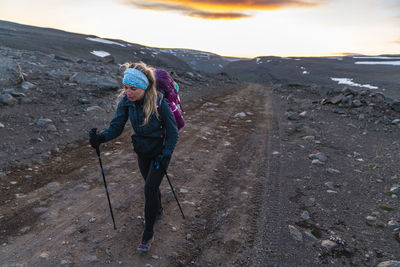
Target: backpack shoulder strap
{"type": "Point", "coordinates": [159, 103]}
{"type": "Point", "coordinates": [159, 106]}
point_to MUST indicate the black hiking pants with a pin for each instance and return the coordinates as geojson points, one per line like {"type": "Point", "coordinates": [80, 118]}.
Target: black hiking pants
{"type": "Point", "coordinates": [152, 207]}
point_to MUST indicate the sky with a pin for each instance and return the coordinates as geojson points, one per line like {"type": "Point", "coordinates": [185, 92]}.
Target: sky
{"type": "Point", "coordinates": [241, 28]}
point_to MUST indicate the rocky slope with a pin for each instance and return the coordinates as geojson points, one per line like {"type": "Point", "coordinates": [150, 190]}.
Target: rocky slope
{"type": "Point", "coordinates": [85, 47]}
{"type": "Point", "coordinates": [335, 155]}
{"type": "Point", "coordinates": [199, 60]}
{"type": "Point", "coordinates": [48, 102]}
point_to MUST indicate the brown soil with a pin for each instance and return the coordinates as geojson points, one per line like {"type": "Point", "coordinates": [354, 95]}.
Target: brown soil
{"type": "Point", "coordinates": [215, 172]}
{"type": "Point", "coordinates": [243, 183]}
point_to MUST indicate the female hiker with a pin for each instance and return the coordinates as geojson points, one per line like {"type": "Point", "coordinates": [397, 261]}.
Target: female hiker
{"type": "Point", "coordinates": [154, 139]}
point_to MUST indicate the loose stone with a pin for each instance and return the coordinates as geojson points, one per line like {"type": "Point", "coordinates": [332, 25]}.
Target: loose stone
{"type": "Point", "coordinates": [333, 171]}
{"type": "Point", "coordinates": [296, 234]}
{"type": "Point", "coordinates": [305, 215]}
{"type": "Point", "coordinates": [331, 192]}
{"type": "Point", "coordinates": [44, 255]}
{"type": "Point", "coordinates": [329, 185]}
{"type": "Point", "coordinates": [393, 224]}
{"type": "Point", "coordinates": [328, 244]}
{"type": "Point", "coordinates": [389, 264]}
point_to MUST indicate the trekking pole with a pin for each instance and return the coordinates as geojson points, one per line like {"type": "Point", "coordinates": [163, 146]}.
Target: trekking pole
{"type": "Point", "coordinates": [105, 183]}
{"type": "Point", "coordinates": [173, 192]}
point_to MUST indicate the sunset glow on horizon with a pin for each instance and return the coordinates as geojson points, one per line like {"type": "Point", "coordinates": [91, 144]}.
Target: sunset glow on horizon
{"type": "Point", "coordinates": [242, 28]}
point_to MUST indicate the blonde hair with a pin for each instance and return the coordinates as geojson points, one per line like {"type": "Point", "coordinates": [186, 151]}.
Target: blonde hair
{"type": "Point", "coordinates": [151, 93]}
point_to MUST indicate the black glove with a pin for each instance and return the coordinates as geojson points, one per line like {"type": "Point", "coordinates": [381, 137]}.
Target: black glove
{"type": "Point", "coordinates": [161, 162]}
{"type": "Point", "coordinates": [95, 139]}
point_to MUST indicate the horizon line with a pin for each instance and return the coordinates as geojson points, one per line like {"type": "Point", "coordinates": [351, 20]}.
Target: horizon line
{"type": "Point", "coordinates": [333, 54]}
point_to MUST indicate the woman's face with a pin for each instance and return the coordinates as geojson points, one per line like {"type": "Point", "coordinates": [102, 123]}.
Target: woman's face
{"type": "Point", "coordinates": [133, 92]}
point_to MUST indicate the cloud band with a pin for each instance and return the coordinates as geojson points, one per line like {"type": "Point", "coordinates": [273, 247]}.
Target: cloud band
{"type": "Point", "coordinates": [218, 9]}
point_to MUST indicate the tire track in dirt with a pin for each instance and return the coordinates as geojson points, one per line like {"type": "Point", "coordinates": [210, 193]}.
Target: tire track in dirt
{"type": "Point", "coordinates": [217, 171]}
{"type": "Point", "coordinates": [224, 226]}
{"type": "Point", "coordinates": [267, 243]}
{"type": "Point", "coordinates": [273, 245]}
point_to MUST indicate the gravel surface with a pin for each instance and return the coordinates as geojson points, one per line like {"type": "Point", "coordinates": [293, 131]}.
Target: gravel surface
{"type": "Point", "coordinates": [270, 173]}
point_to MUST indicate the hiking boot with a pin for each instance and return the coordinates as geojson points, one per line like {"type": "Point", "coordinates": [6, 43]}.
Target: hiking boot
{"type": "Point", "coordinates": [144, 246]}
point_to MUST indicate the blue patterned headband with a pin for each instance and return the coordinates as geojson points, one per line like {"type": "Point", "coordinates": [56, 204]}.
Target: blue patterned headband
{"type": "Point", "coordinates": [135, 78]}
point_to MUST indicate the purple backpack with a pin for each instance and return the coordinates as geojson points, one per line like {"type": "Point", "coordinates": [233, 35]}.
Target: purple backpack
{"type": "Point", "coordinates": [169, 88]}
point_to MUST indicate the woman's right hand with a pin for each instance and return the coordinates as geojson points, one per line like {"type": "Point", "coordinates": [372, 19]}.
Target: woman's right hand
{"type": "Point", "coordinates": [95, 139]}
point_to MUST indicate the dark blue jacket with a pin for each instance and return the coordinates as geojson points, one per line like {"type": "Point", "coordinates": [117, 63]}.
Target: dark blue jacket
{"type": "Point", "coordinates": [154, 128]}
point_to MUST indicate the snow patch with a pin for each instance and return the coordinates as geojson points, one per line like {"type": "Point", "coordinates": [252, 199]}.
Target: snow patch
{"type": "Point", "coordinates": [100, 53]}
{"type": "Point", "coordinates": [393, 63]}
{"type": "Point", "coordinates": [350, 82]}
{"type": "Point", "coordinates": [337, 58]}
{"type": "Point", "coordinates": [290, 58]}
{"type": "Point", "coordinates": [378, 57]}
{"type": "Point", "coordinates": [99, 40]}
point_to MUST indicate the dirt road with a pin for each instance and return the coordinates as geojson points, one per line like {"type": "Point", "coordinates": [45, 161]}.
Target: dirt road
{"type": "Point", "coordinates": [57, 213]}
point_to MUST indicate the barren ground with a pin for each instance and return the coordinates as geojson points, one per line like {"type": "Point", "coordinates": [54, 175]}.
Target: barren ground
{"type": "Point", "coordinates": [216, 170]}
{"type": "Point", "coordinates": [244, 181]}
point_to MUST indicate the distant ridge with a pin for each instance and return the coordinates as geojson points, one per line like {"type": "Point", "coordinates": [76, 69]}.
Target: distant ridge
{"type": "Point", "coordinates": [63, 43]}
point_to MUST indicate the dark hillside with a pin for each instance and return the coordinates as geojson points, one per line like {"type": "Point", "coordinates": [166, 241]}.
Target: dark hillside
{"type": "Point", "coordinates": [66, 44]}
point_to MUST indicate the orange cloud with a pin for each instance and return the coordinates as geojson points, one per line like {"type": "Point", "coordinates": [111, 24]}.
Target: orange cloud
{"type": "Point", "coordinates": [349, 54]}
{"type": "Point", "coordinates": [218, 9]}
{"type": "Point", "coordinates": [236, 4]}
